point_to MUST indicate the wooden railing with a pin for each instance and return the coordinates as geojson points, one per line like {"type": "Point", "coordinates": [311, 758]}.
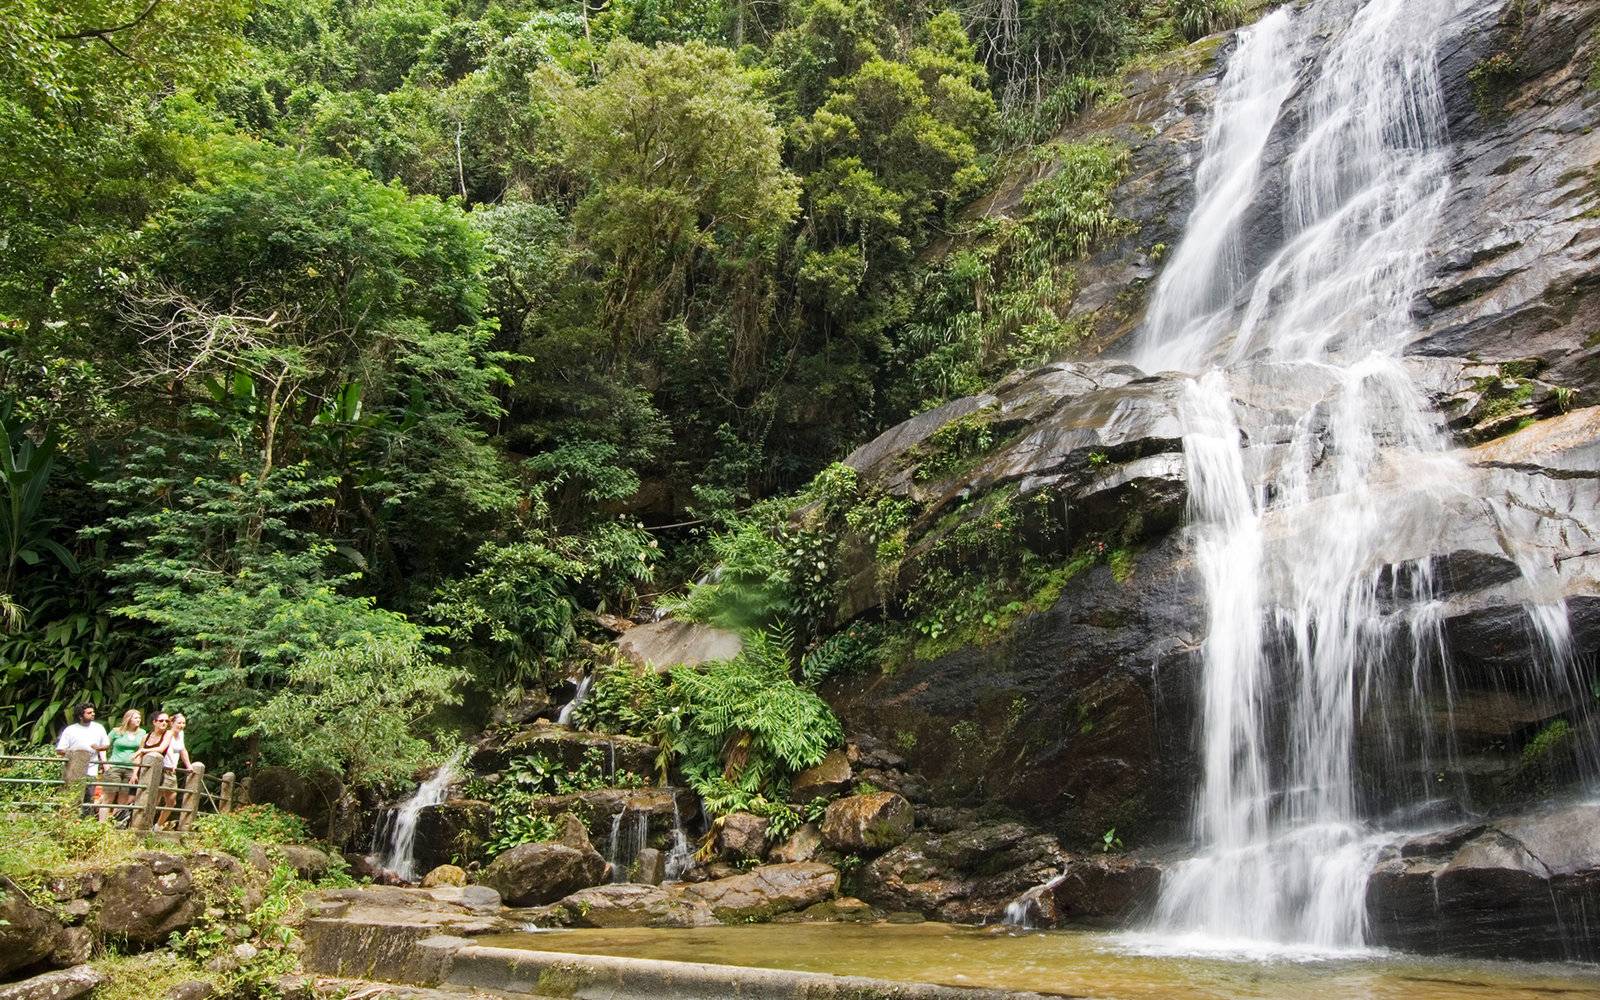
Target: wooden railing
{"type": "Point", "coordinates": [190, 789]}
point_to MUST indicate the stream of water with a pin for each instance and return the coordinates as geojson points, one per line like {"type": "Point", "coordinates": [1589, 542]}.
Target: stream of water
{"type": "Point", "coordinates": [1314, 542]}
{"type": "Point", "coordinates": [396, 835]}
{"type": "Point", "coordinates": [1071, 963]}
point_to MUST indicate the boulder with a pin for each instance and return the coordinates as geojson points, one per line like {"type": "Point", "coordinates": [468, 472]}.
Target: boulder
{"type": "Point", "coordinates": [306, 862]}
{"type": "Point", "coordinates": [451, 832]}
{"type": "Point", "coordinates": [444, 875]}
{"type": "Point", "coordinates": [829, 778]}
{"type": "Point", "coordinates": [802, 845]}
{"type": "Point", "coordinates": [73, 946]}
{"type": "Point", "coordinates": [964, 875]}
{"type": "Point", "coordinates": [1108, 890]}
{"type": "Point", "coordinates": [650, 867]}
{"type": "Point", "coordinates": [845, 909]}
{"type": "Point", "coordinates": [664, 644]}
{"type": "Point", "coordinates": [192, 989]}
{"type": "Point", "coordinates": [629, 904]}
{"type": "Point", "coordinates": [316, 797]}
{"type": "Point", "coordinates": [767, 891]}
{"type": "Point", "coordinates": [1517, 887]}
{"type": "Point", "coordinates": [534, 874]}
{"type": "Point", "coordinates": [741, 836]}
{"type": "Point", "coordinates": [157, 895]}
{"type": "Point", "coordinates": [64, 984]}
{"type": "Point", "coordinates": [873, 822]}
{"type": "Point", "coordinates": [28, 933]}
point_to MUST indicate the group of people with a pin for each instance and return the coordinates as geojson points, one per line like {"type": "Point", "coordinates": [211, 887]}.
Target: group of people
{"type": "Point", "coordinates": [119, 760]}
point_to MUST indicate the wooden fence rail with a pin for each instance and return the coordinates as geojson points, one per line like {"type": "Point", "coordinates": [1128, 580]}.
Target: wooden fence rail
{"type": "Point", "coordinates": [153, 797]}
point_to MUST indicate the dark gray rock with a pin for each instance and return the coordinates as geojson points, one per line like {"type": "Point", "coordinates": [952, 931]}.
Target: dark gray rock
{"type": "Point", "coordinates": [964, 876]}
{"type": "Point", "coordinates": [451, 832]}
{"type": "Point", "coordinates": [1519, 887]}
{"type": "Point", "coordinates": [535, 874]}
{"type": "Point", "coordinates": [157, 895]}
{"type": "Point", "coordinates": [28, 933]}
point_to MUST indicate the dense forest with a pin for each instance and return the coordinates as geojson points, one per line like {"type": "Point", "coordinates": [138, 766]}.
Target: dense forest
{"type": "Point", "coordinates": [356, 354]}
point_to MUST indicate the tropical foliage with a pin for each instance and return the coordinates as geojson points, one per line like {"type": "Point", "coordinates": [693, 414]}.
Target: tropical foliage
{"type": "Point", "coordinates": [357, 355]}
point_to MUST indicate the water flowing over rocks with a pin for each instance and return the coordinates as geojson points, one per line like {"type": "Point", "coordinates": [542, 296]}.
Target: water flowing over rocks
{"type": "Point", "coordinates": [1087, 717]}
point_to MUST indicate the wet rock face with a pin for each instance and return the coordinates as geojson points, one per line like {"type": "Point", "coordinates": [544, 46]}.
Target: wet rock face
{"type": "Point", "coordinates": [1079, 718]}
{"type": "Point", "coordinates": [1523, 887]}
{"type": "Point", "coordinates": [665, 644]}
{"type": "Point", "coordinates": [27, 933]}
{"type": "Point", "coordinates": [451, 832]}
{"type": "Point", "coordinates": [568, 748]}
{"type": "Point", "coordinates": [1516, 268]}
{"type": "Point", "coordinates": [965, 875]}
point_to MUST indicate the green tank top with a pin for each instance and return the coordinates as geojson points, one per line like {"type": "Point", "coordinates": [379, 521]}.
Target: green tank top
{"type": "Point", "coordinates": [125, 745]}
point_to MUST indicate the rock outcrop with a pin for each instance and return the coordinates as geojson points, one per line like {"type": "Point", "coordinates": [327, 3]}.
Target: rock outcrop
{"type": "Point", "coordinates": [767, 891]}
{"type": "Point", "coordinates": [535, 874]}
{"type": "Point", "coordinates": [1520, 887]}
{"type": "Point", "coordinates": [873, 822]}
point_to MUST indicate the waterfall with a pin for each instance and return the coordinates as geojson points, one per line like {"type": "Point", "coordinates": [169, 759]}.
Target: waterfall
{"type": "Point", "coordinates": [580, 693]}
{"type": "Point", "coordinates": [398, 832]}
{"type": "Point", "coordinates": [1313, 546]}
{"type": "Point", "coordinates": [627, 840]}
{"type": "Point", "coordinates": [680, 856]}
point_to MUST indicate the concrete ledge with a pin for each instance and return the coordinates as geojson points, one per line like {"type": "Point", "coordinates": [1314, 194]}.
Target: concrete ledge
{"type": "Point", "coordinates": [606, 977]}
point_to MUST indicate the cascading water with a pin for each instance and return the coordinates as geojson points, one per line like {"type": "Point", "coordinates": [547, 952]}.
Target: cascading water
{"type": "Point", "coordinates": [1314, 545]}
{"type": "Point", "coordinates": [579, 694]}
{"type": "Point", "coordinates": [398, 832]}
{"type": "Point", "coordinates": [627, 840]}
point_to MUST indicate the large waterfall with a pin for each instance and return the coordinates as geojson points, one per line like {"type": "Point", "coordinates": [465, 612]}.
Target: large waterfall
{"type": "Point", "coordinates": [1315, 542]}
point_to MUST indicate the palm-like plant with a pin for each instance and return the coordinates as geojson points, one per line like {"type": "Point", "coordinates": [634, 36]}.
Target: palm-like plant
{"type": "Point", "coordinates": [25, 467]}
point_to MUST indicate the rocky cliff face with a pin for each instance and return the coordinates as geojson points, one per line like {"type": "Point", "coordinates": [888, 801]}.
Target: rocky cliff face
{"type": "Point", "coordinates": [1078, 714]}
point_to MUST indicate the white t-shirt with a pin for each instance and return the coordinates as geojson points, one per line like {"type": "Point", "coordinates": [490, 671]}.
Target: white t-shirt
{"type": "Point", "coordinates": [84, 736]}
{"type": "Point", "coordinates": [170, 761]}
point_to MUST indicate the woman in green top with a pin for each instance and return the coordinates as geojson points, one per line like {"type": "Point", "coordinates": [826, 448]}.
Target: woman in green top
{"type": "Point", "coordinates": [125, 742]}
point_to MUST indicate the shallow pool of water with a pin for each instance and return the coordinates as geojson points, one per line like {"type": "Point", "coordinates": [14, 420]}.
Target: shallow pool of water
{"type": "Point", "coordinates": [1116, 967]}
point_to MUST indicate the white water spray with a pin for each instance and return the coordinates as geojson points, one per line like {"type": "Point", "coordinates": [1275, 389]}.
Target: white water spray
{"type": "Point", "coordinates": [1314, 549]}
{"type": "Point", "coordinates": [399, 831]}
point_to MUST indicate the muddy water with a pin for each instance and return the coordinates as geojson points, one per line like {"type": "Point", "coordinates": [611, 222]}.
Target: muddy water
{"type": "Point", "coordinates": [1071, 962]}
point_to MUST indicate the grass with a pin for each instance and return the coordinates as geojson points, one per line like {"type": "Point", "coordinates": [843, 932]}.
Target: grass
{"type": "Point", "coordinates": [141, 977]}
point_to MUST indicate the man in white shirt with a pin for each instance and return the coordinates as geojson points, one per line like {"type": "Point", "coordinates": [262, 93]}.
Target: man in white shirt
{"type": "Point", "coordinates": [86, 734]}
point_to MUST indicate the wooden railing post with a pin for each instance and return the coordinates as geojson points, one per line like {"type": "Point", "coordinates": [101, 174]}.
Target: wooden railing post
{"type": "Point", "coordinates": [78, 765]}
{"type": "Point", "coordinates": [144, 807]}
{"type": "Point", "coordinates": [189, 801]}
{"type": "Point", "coordinates": [225, 794]}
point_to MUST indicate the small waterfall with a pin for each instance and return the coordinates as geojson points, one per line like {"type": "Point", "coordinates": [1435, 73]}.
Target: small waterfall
{"type": "Point", "coordinates": [680, 856]}
{"type": "Point", "coordinates": [584, 684]}
{"type": "Point", "coordinates": [627, 840]}
{"type": "Point", "coordinates": [398, 831]}
{"type": "Point", "coordinates": [1023, 912]}
{"type": "Point", "coordinates": [1315, 547]}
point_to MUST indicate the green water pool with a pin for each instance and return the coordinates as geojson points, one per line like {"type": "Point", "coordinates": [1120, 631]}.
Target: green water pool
{"type": "Point", "coordinates": [1116, 967]}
